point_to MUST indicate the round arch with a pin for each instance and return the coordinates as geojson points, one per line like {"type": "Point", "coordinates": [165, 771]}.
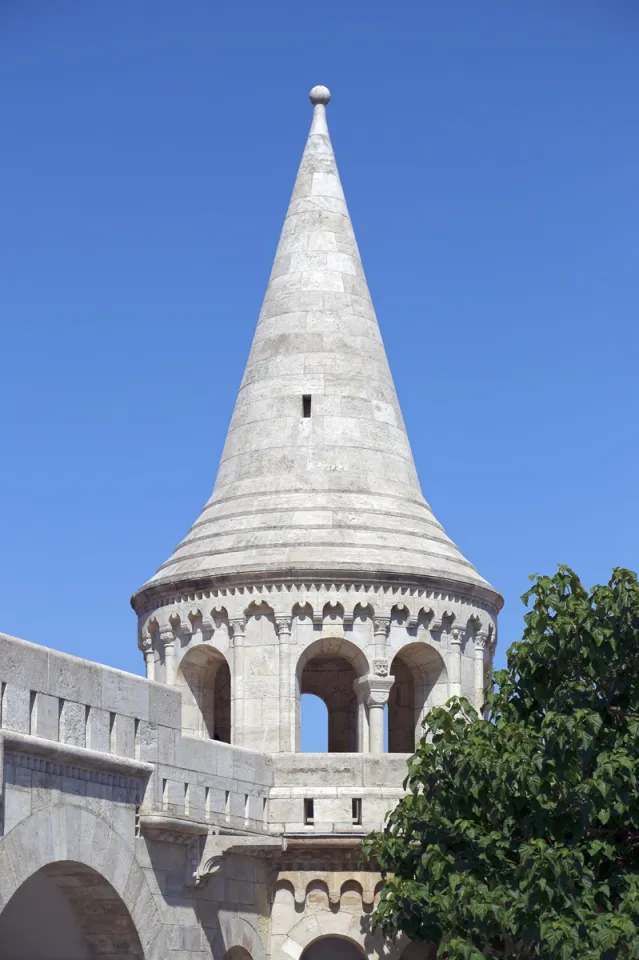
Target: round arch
{"type": "Point", "coordinates": [339, 948]}
{"type": "Point", "coordinates": [421, 682]}
{"type": "Point", "coordinates": [328, 668]}
{"type": "Point", "coordinates": [347, 927]}
{"type": "Point", "coordinates": [68, 844]}
{"type": "Point", "coordinates": [67, 911]}
{"type": "Point", "coordinates": [204, 679]}
{"type": "Point", "coordinates": [240, 941]}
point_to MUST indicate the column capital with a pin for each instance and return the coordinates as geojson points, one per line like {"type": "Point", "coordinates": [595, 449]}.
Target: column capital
{"type": "Point", "coordinates": [166, 634]}
{"type": "Point", "coordinates": [283, 626]}
{"type": "Point", "coordinates": [381, 625]}
{"type": "Point", "coordinates": [238, 629]}
{"type": "Point", "coordinates": [146, 644]}
{"type": "Point", "coordinates": [374, 690]}
{"type": "Point", "coordinates": [457, 636]}
{"type": "Point", "coordinates": [481, 639]}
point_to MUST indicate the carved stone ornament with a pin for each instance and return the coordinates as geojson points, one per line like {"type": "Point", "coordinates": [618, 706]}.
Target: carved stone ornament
{"type": "Point", "coordinates": [381, 668]}
{"type": "Point", "coordinates": [283, 625]}
{"type": "Point", "coordinates": [381, 625]}
{"type": "Point", "coordinates": [167, 635]}
{"type": "Point", "coordinates": [375, 689]}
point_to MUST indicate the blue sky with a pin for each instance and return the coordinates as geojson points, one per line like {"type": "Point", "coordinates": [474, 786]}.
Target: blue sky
{"type": "Point", "coordinates": [489, 155]}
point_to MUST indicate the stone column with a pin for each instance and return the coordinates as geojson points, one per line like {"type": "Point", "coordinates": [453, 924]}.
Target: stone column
{"type": "Point", "coordinates": [480, 645]}
{"type": "Point", "coordinates": [287, 711]}
{"type": "Point", "coordinates": [149, 656]}
{"type": "Point", "coordinates": [381, 629]}
{"type": "Point", "coordinates": [455, 641]}
{"type": "Point", "coordinates": [167, 639]}
{"type": "Point", "coordinates": [376, 689]}
{"type": "Point", "coordinates": [360, 686]}
{"type": "Point", "coordinates": [238, 631]}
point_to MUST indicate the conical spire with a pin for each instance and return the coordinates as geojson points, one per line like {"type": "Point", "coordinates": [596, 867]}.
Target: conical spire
{"type": "Point", "coordinates": [317, 476]}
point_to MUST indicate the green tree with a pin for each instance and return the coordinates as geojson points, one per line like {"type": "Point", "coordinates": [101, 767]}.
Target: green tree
{"type": "Point", "coordinates": [519, 834]}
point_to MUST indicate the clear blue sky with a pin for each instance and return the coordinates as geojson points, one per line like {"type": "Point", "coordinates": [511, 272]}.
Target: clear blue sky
{"type": "Point", "coordinates": [489, 153]}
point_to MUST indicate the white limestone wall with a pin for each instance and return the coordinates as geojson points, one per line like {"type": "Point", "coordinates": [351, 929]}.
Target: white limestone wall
{"type": "Point", "coordinates": [122, 805]}
{"type": "Point", "coordinates": [268, 632]}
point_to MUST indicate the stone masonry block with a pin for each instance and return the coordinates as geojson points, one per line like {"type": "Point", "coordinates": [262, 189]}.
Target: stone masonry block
{"type": "Point", "coordinates": [97, 726]}
{"type": "Point", "coordinates": [74, 679]}
{"type": "Point", "coordinates": [125, 694]}
{"type": "Point", "coordinates": [16, 708]}
{"type": "Point", "coordinates": [124, 736]}
{"type": "Point", "coordinates": [73, 723]}
{"type": "Point", "coordinates": [195, 753]}
{"type": "Point", "coordinates": [165, 705]}
{"type": "Point", "coordinates": [147, 745]}
{"type": "Point", "coordinates": [44, 717]}
{"type": "Point", "coordinates": [23, 664]}
{"type": "Point", "coordinates": [224, 760]}
{"type": "Point", "coordinates": [166, 744]}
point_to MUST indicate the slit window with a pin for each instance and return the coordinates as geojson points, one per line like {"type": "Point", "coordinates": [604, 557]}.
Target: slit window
{"type": "Point", "coordinates": [309, 812]}
{"type": "Point", "coordinates": [306, 406]}
{"type": "Point", "coordinates": [357, 811]}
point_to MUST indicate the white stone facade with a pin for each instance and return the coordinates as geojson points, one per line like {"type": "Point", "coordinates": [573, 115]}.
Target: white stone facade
{"type": "Point", "coordinates": [175, 816]}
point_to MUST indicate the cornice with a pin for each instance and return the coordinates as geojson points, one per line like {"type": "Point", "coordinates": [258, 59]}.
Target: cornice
{"type": "Point", "coordinates": [152, 598]}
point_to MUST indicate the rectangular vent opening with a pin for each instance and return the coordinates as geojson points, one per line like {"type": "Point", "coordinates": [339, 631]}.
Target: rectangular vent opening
{"type": "Point", "coordinates": [309, 812]}
{"type": "Point", "coordinates": [306, 406]}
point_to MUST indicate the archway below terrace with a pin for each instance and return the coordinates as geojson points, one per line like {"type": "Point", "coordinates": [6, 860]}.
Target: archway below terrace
{"type": "Point", "coordinates": [67, 911]}
{"type": "Point", "coordinates": [333, 948]}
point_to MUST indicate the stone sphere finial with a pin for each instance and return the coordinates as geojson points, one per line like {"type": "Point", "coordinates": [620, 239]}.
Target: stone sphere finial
{"type": "Point", "coordinates": [319, 94]}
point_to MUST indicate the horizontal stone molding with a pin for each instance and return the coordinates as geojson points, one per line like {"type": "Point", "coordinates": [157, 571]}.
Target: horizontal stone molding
{"type": "Point", "coordinates": [75, 757]}
{"type": "Point", "coordinates": [437, 605]}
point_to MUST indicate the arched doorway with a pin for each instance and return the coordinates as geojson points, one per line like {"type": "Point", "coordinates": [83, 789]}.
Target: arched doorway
{"type": "Point", "coordinates": [421, 682]}
{"type": "Point", "coordinates": [67, 911]}
{"type": "Point", "coordinates": [205, 681]}
{"type": "Point", "coordinates": [328, 669]}
{"type": "Point", "coordinates": [333, 948]}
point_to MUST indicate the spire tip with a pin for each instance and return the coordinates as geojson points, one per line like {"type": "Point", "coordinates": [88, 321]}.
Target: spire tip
{"type": "Point", "coordinates": [319, 94]}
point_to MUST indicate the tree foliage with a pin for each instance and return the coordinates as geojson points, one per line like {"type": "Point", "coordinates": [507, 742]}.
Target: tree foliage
{"type": "Point", "coordinates": [519, 834]}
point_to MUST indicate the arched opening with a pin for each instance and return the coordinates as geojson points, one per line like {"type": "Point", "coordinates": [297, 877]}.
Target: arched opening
{"type": "Point", "coordinates": [314, 724]}
{"type": "Point", "coordinates": [335, 948]}
{"type": "Point", "coordinates": [67, 911]}
{"type": "Point", "coordinates": [237, 953]}
{"type": "Point", "coordinates": [420, 683]}
{"type": "Point", "coordinates": [205, 681]}
{"type": "Point", "coordinates": [328, 669]}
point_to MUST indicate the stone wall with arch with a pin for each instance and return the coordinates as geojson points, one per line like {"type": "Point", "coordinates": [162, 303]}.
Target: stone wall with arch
{"type": "Point", "coordinates": [310, 907]}
{"type": "Point", "coordinates": [78, 850]}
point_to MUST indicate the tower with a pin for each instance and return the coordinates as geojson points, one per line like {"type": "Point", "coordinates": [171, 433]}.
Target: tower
{"type": "Point", "coordinates": [316, 566]}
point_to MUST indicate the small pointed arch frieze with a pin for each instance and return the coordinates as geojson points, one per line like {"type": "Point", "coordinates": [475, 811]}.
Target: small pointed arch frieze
{"type": "Point", "coordinates": [333, 618]}
{"type": "Point", "coordinates": [363, 611]}
{"type": "Point", "coordinates": [400, 614]}
{"type": "Point", "coordinates": [302, 610]}
{"type": "Point", "coordinates": [259, 608]}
